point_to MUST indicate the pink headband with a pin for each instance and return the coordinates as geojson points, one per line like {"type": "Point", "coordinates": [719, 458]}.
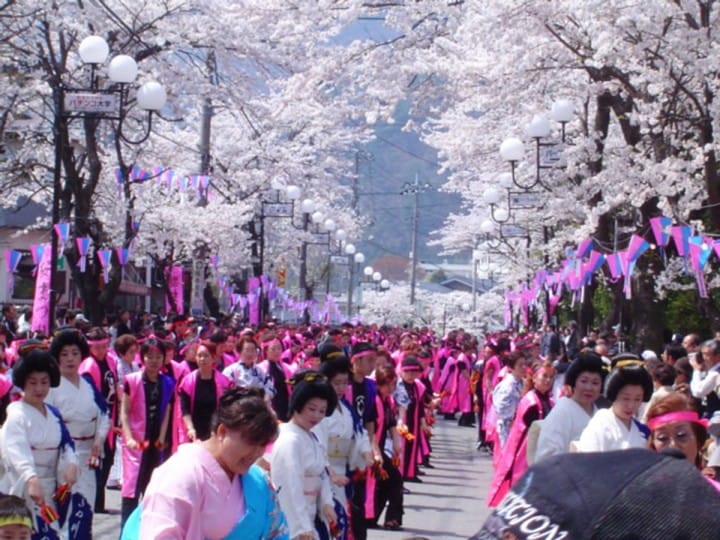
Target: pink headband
{"type": "Point", "coordinates": [266, 344]}
{"type": "Point", "coordinates": [411, 368]}
{"type": "Point", "coordinates": [98, 341]}
{"type": "Point", "coordinates": [673, 417]}
{"type": "Point", "coordinates": [362, 354]}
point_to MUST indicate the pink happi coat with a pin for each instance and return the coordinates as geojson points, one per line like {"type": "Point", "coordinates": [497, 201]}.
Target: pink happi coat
{"type": "Point", "coordinates": [371, 481]}
{"type": "Point", "coordinates": [489, 419]}
{"type": "Point", "coordinates": [131, 458]}
{"type": "Point", "coordinates": [89, 366]}
{"type": "Point", "coordinates": [188, 386]}
{"type": "Point", "coordinates": [454, 385]}
{"type": "Point", "coordinates": [437, 371]}
{"type": "Point", "coordinates": [179, 371]}
{"type": "Point", "coordinates": [513, 461]}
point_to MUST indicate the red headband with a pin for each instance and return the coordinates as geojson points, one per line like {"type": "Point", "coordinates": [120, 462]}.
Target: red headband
{"type": "Point", "coordinates": [674, 417]}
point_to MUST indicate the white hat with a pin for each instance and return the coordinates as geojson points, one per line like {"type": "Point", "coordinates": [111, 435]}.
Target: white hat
{"type": "Point", "coordinates": [649, 355]}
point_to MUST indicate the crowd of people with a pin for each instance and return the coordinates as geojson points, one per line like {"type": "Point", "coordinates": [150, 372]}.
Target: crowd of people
{"type": "Point", "coordinates": [216, 430]}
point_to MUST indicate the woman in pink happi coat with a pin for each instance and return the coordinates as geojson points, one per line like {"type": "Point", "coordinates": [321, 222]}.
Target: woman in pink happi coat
{"type": "Point", "coordinates": [492, 375]}
{"type": "Point", "coordinates": [534, 405]}
{"type": "Point", "coordinates": [199, 395]}
{"type": "Point", "coordinates": [145, 411]}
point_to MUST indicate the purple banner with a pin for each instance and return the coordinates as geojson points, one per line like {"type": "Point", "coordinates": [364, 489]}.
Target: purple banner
{"type": "Point", "coordinates": [254, 301]}
{"type": "Point", "coordinates": [41, 302]}
{"type": "Point", "coordinates": [175, 288]}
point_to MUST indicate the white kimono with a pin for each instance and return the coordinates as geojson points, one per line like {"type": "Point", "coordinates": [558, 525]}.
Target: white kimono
{"type": "Point", "coordinates": [297, 469]}
{"type": "Point", "coordinates": [86, 424]}
{"type": "Point", "coordinates": [342, 444]}
{"type": "Point", "coordinates": [606, 432]}
{"type": "Point", "coordinates": [30, 445]}
{"type": "Point", "coordinates": [564, 424]}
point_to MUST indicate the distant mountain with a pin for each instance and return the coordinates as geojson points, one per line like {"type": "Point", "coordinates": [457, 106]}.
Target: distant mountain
{"type": "Point", "coordinates": [385, 167]}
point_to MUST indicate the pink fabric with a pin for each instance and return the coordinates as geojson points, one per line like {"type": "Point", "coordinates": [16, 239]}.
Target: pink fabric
{"type": "Point", "coordinates": [410, 468]}
{"type": "Point", "coordinates": [448, 386]}
{"type": "Point", "coordinates": [188, 385]}
{"type": "Point", "coordinates": [136, 417]}
{"type": "Point", "coordinates": [179, 371]}
{"type": "Point", "coordinates": [437, 355]}
{"type": "Point", "coordinates": [673, 417]}
{"type": "Point", "coordinates": [462, 385]}
{"type": "Point", "coordinates": [287, 370]}
{"type": "Point", "coordinates": [513, 461]}
{"type": "Point", "coordinates": [489, 418]}
{"type": "Point", "coordinates": [89, 366]}
{"type": "Point", "coordinates": [191, 497]}
{"type": "Point", "coordinates": [5, 385]}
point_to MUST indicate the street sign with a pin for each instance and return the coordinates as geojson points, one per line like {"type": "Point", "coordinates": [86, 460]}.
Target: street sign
{"type": "Point", "coordinates": [511, 230]}
{"type": "Point", "coordinates": [277, 209]}
{"type": "Point", "coordinates": [90, 102]}
{"type": "Point", "coordinates": [552, 156]}
{"type": "Point", "coordinates": [524, 199]}
{"type": "Point", "coordinates": [320, 238]}
{"type": "Point", "coordinates": [338, 259]}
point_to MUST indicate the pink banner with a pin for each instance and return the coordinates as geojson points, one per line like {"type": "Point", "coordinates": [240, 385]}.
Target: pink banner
{"type": "Point", "coordinates": [254, 300]}
{"type": "Point", "coordinates": [175, 288]}
{"type": "Point", "coordinates": [41, 302]}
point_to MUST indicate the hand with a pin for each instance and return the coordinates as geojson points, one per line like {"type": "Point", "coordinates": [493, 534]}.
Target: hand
{"type": "Point", "coordinates": [192, 435]}
{"type": "Point", "coordinates": [377, 458]}
{"type": "Point", "coordinates": [306, 536]}
{"type": "Point", "coordinates": [340, 481]}
{"type": "Point", "coordinates": [71, 474]}
{"type": "Point", "coordinates": [694, 362]}
{"type": "Point", "coordinates": [397, 446]}
{"type": "Point", "coordinates": [97, 449]}
{"type": "Point", "coordinates": [35, 491]}
{"type": "Point", "coordinates": [132, 444]}
{"type": "Point", "coordinates": [328, 513]}
{"type": "Point", "coordinates": [369, 459]}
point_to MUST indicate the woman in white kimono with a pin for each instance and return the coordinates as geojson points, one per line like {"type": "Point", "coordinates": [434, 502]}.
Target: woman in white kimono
{"type": "Point", "coordinates": [298, 461]}
{"type": "Point", "coordinates": [617, 428]}
{"type": "Point", "coordinates": [83, 408]}
{"type": "Point", "coordinates": [345, 441]}
{"type": "Point", "coordinates": [568, 418]}
{"type": "Point", "coordinates": [36, 447]}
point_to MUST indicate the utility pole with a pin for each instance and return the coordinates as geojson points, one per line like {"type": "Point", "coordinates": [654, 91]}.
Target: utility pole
{"type": "Point", "coordinates": [414, 189]}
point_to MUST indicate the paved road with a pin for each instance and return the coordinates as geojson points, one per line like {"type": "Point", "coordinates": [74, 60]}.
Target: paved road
{"type": "Point", "coordinates": [449, 504]}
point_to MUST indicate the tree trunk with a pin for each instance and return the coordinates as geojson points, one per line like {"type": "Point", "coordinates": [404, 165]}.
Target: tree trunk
{"type": "Point", "coordinates": [647, 316]}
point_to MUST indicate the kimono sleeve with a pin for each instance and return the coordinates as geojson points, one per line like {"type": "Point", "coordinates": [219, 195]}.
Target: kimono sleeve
{"type": "Point", "coordinates": [15, 448]}
{"type": "Point", "coordinates": [504, 400]}
{"type": "Point", "coordinates": [286, 471]}
{"type": "Point", "coordinates": [554, 435]}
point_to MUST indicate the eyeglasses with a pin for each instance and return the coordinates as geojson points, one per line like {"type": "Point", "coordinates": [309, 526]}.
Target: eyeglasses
{"type": "Point", "coordinates": [680, 438]}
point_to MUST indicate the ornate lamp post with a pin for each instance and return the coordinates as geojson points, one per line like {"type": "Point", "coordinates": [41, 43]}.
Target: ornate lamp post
{"type": "Point", "coordinates": [93, 103]}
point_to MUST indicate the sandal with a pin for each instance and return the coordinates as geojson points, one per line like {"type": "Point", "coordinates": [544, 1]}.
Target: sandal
{"type": "Point", "coordinates": [393, 525]}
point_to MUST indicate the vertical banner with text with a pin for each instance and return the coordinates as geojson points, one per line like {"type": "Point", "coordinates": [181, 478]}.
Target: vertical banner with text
{"type": "Point", "coordinates": [41, 302]}
{"type": "Point", "coordinates": [175, 289]}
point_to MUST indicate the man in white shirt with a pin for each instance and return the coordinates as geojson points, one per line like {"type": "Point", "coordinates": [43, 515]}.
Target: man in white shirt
{"type": "Point", "coordinates": [705, 387]}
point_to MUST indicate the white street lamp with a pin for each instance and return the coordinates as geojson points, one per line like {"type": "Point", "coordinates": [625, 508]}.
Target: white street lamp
{"type": "Point", "coordinates": [539, 127]}
{"type": "Point", "coordinates": [492, 195]}
{"type": "Point", "coordinates": [501, 214]}
{"type": "Point", "coordinates": [341, 235]}
{"type": "Point", "coordinates": [123, 69]}
{"type": "Point", "coordinates": [512, 149]}
{"type": "Point", "coordinates": [93, 50]}
{"type": "Point", "coordinates": [504, 180]}
{"type": "Point", "coordinates": [317, 216]}
{"type": "Point", "coordinates": [151, 96]}
{"type": "Point", "coordinates": [368, 271]}
{"type": "Point", "coordinates": [329, 225]}
{"type": "Point", "coordinates": [307, 206]}
{"type": "Point", "coordinates": [359, 258]}
{"type": "Point", "coordinates": [377, 276]}
{"type": "Point", "coordinates": [350, 249]}
{"type": "Point", "coordinates": [487, 226]}
{"type": "Point", "coordinates": [384, 284]}
{"type": "Point", "coordinates": [292, 193]}
{"type": "Point", "coordinates": [562, 111]}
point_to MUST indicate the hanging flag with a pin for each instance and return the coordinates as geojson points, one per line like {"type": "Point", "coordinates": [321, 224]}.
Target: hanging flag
{"type": "Point", "coordinates": [681, 236]}
{"type": "Point", "coordinates": [36, 250]}
{"type": "Point", "coordinates": [63, 232]}
{"type": "Point", "coordinates": [83, 246]}
{"type": "Point", "coordinates": [699, 253]}
{"type": "Point", "coordinates": [105, 257]}
{"type": "Point", "coordinates": [583, 249]}
{"type": "Point", "coordinates": [12, 260]}
{"type": "Point", "coordinates": [661, 227]}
